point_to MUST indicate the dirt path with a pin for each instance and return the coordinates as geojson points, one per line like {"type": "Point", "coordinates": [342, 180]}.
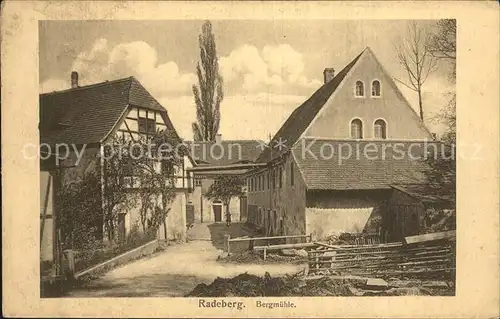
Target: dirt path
{"type": "Point", "coordinates": [174, 272]}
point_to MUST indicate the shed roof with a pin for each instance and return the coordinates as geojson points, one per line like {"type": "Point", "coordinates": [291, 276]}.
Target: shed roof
{"type": "Point", "coordinates": [424, 193]}
{"type": "Point", "coordinates": [225, 152]}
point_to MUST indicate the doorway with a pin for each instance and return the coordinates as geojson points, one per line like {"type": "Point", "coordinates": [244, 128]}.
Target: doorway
{"type": "Point", "coordinates": [217, 208]}
{"type": "Point", "coordinates": [121, 227]}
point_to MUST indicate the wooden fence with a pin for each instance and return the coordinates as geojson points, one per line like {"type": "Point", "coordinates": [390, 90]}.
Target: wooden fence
{"type": "Point", "coordinates": [384, 260]}
{"type": "Point", "coordinates": [251, 241]}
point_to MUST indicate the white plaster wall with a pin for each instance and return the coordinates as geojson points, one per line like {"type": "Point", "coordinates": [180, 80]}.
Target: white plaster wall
{"type": "Point", "coordinates": [323, 222]}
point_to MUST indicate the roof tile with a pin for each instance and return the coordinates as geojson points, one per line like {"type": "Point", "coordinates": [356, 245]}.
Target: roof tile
{"type": "Point", "coordinates": [353, 164]}
{"type": "Point", "coordinates": [87, 114]}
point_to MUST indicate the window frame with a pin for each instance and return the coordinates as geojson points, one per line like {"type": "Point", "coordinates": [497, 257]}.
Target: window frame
{"type": "Point", "coordinates": [385, 129]}
{"type": "Point", "coordinates": [148, 122]}
{"type": "Point", "coordinates": [197, 182]}
{"type": "Point", "coordinates": [356, 89]}
{"type": "Point", "coordinates": [361, 128]}
{"type": "Point", "coordinates": [379, 88]}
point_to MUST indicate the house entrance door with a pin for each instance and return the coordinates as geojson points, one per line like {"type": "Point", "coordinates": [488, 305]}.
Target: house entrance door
{"type": "Point", "coordinates": [217, 208]}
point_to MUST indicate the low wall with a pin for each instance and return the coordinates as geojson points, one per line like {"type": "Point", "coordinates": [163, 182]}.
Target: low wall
{"type": "Point", "coordinates": [144, 250]}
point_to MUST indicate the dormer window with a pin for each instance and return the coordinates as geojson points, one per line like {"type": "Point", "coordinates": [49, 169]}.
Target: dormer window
{"type": "Point", "coordinates": [360, 88]}
{"type": "Point", "coordinates": [356, 129]}
{"type": "Point", "coordinates": [147, 126]}
{"type": "Point", "coordinates": [376, 88]}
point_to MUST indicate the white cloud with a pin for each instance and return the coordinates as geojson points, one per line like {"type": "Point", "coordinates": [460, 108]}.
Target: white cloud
{"type": "Point", "coordinates": [274, 68]}
{"type": "Point", "coordinates": [137, 59]}
{"type": "Point", "coordinates": [246, 116]}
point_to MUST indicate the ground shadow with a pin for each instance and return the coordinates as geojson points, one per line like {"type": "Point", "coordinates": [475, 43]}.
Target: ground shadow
{"type": "Point", "coordinates": [157, 285]}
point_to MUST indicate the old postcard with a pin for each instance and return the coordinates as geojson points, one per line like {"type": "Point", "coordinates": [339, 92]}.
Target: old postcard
{"type": "Point", "coordinates": [247, 159]}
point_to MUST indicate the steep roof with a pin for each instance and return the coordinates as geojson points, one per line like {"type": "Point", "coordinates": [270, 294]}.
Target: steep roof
{"type": "Point", "coordinates": [302, 116]}
{"type": "Point", "coordinates": [424, 193]}
{"type": "Point", "coordinates": [87, 114]}
{"type": "Point", "coordinates": [344, 164]}
{"type": "Point", "coordinates": [225, 152]}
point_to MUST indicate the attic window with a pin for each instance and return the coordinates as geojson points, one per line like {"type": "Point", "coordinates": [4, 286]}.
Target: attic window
{"type": "Point", "coordinates": [147, 126]}
{"type": "Point", "coordinates": [360, 88]}
{"type": "Point", "coordinates": [376, 88]}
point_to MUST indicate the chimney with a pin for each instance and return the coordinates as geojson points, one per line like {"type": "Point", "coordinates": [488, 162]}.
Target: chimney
{"type": "Point", "coordinates": [328, 74]}
{"type": "Point", "coordinates": [74, 79]}
{"type": "Point", "coordinates": [218, 138]}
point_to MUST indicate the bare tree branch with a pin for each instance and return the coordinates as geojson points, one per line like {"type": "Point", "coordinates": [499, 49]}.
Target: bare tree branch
{"type": "Point", "coordinates": [415, 58]}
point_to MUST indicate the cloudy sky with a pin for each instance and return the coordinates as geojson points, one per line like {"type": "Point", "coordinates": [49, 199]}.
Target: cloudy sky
{"type": "Point", "coordinates": [269, 67]}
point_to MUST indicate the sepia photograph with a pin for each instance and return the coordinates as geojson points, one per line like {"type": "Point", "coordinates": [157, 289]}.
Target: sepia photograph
{"type": "Point", "coordinates": [243, 159]}
{"type": "Point", "coordinates": [247, 158]}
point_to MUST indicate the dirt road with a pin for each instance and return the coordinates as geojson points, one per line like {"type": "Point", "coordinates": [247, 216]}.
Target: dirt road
{"type": "Point", "coordinates": [174, 272]}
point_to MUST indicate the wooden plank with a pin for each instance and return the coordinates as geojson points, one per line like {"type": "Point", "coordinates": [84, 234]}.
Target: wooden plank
{"type": "Point", "coordinates": [381, 263]}
{"type": "Point", "coordinates": [359, 247]}
{"type": "Point", "coordinates": [447, 235]}
{"type": "Point", "coordinates": [402, 272]}
{"type": "Point", "coordinates": [348, 260]}
{"type": "Point", "coordinates": [425, 262]}
{"type": "Point", "coordinates": [267, 238]}
{"type": "Point", "coordinates": [342, 256]}
{"type": "Point", "coordinates": [383, 252]}
{"type": "Point", "coordinates": [325, 245]}
{"type": "Point", "coordinates": [284, 246]}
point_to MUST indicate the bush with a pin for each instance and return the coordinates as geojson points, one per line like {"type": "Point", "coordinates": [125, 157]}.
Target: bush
{"type": "Point", "coordinates": [96, 253]}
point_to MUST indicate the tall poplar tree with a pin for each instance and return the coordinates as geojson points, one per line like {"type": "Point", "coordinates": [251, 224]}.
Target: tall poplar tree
{"type": "Point", "coordinates": [208, 93]}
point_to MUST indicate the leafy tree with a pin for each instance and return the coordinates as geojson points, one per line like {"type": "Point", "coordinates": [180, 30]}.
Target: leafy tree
{"type": "Point", "coordinates": [118, 162]}
{"type": "Point", "coordinates": [79, 217]}
{"type": "Point", "coordinates": [443, 43]}
{"type": "Point", "coordinates": [208, 94]}
{"type": "Point", "coordinates": [140, 170]}
{"type": "Point", "coordinates": [414, 56]}
{"type": "Point", "coordinates": [224, 188]}
{"type": "Point", "coordinates": [157, 178]}
{"type": "Point", "coordinates": [441, 174]}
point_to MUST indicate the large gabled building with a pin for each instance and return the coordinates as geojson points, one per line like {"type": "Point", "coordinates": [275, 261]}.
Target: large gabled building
{"type": "Point", "coordinates": [317, 177]}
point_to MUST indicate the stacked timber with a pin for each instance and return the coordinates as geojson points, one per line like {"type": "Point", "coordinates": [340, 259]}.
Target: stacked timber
{"type": "Point", "coordinates": [427, 256]}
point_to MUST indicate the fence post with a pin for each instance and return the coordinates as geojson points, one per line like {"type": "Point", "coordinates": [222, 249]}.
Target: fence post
{"type": "Point", "coordinates": [251, 244]}
{"type": "Point", "coordinates": [310, 237]}
{"type": "Point", "coordinates": [70, 256]}
{"type": "Point", "coordinates": [226, 243]}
